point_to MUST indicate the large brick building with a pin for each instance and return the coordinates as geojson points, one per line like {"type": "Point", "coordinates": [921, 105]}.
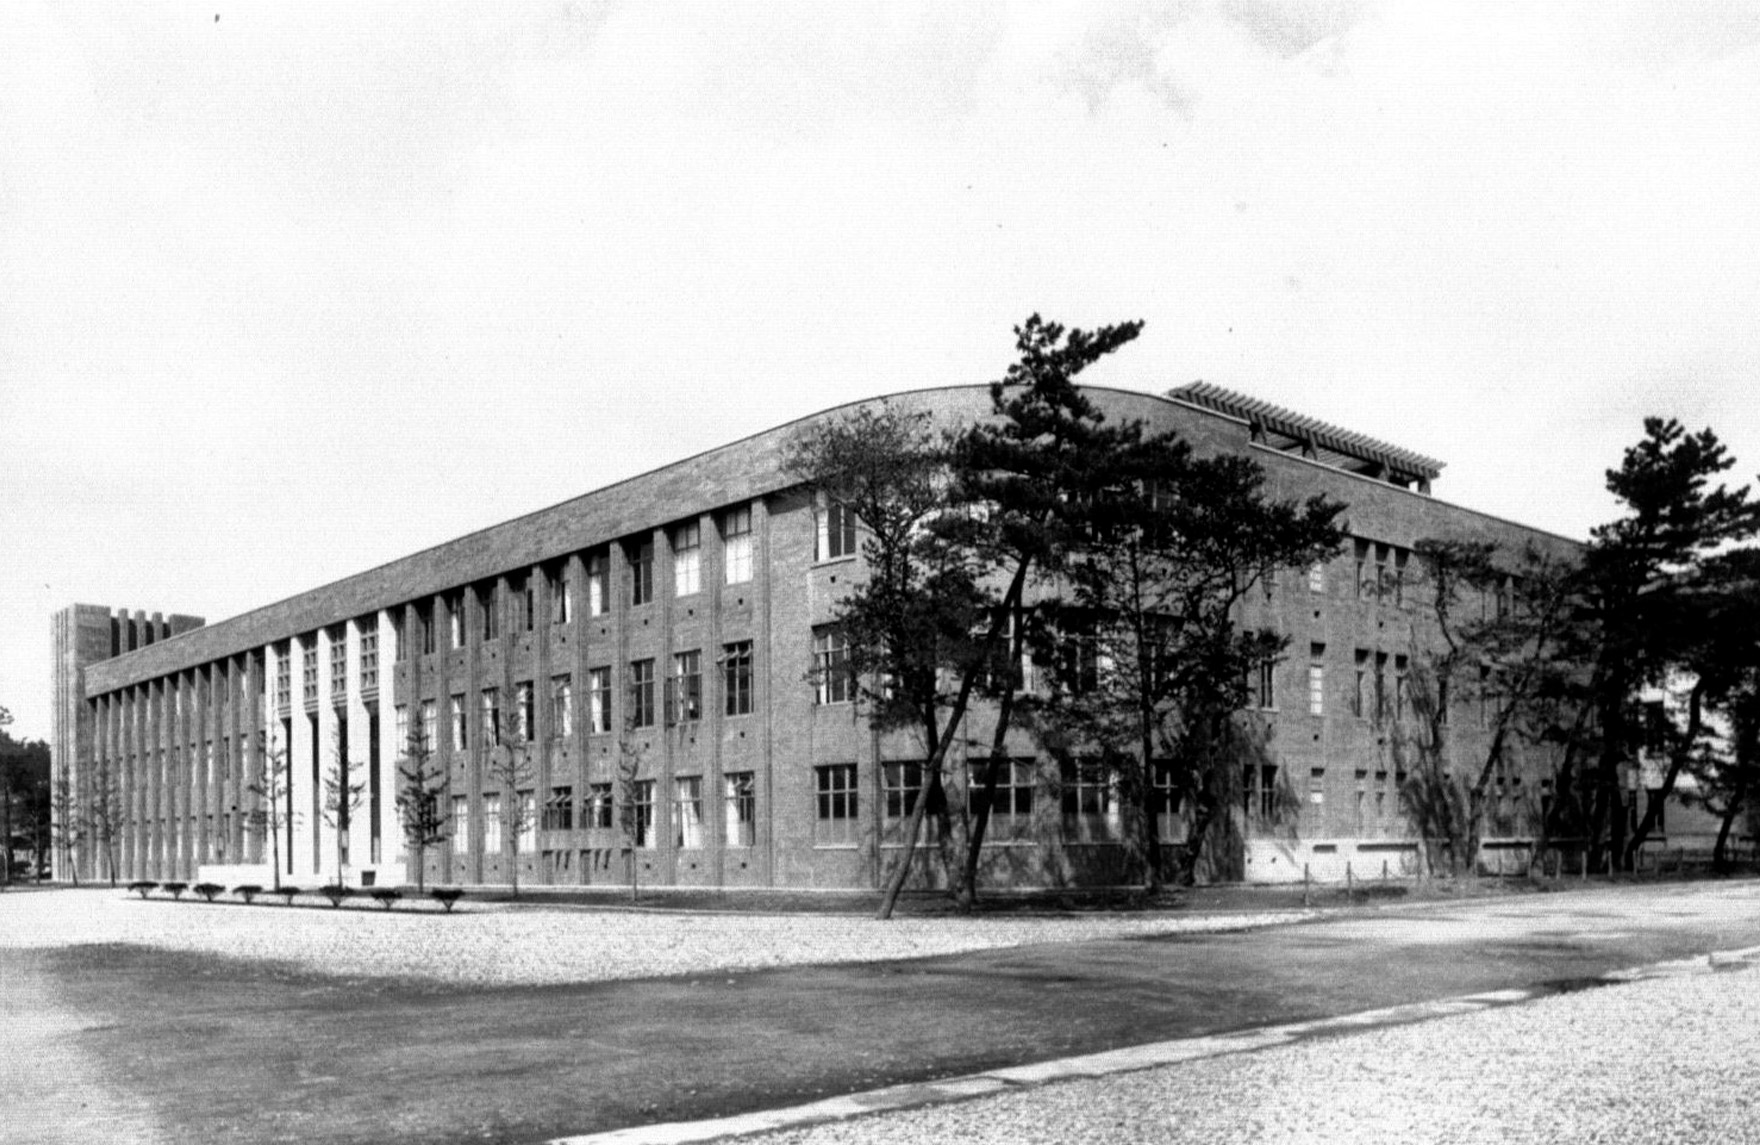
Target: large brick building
{"type": "Point", "coordinates": [669, 623]}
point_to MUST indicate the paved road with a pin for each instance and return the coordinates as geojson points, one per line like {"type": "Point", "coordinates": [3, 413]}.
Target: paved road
{"type": "Point", "coordinates": [261, 1055]}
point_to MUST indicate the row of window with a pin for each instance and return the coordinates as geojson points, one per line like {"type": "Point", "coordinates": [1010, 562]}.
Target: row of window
{"type": "Point", "coordinates": [1375, 695]}
{"type": "Point", "coordinates": [683, 698]}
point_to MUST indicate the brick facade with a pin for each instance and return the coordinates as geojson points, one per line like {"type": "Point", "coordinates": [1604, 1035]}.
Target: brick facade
{"type": "Point", "coordinates": [187, 721]}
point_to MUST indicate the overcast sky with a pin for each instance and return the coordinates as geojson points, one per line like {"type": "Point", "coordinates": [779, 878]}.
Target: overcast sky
{"type": "Point", "coordinates": [289, 291]}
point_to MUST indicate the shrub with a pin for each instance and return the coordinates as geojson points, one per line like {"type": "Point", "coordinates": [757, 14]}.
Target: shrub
{"type": "Point", "coordinates": [248, 892]}
{"type": "Point", "coordinates": [336, 893]}
{"type": "Point", "coordinates": [287, 893]}
{"type": "Point", "coordinates": [142, 888]}
{"type": "Point", "coordinates": [447, 896]}
{"type": "Point", "coordinates": [386, 896]}
{"type": "Point", "coordinates": [176, 889]}
{"type": "Point", "coordinates": [208, 890]}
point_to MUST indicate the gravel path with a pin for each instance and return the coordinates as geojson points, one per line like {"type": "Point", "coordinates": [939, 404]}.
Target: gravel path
{"type": "Point", "coordinates": [538, 946]}
{"type": "Point", "coordinates": [1657, 1062]}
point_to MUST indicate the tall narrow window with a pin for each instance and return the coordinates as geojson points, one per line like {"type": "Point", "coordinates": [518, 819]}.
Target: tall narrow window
{"type": "Point", "coordinates": [559, 598]}
{"type": "Point", "coordinates": [642, 805]}
{"type": "Point", "coordinates": [402, 711]}
{"type": "Point", "coordinates": [1360, 697]}
{"type": "Point", "coordinates": [641, 693]}
{"type": "Point", "coordinates": [430, 725]}
{"type": "Point", "coordinates": [461, 823]}
{"type": "Point", "coordinates": [599, 815]}
{"type": "Point", "coordinates": [527, 839]}
{"type": "Point", "coordinates": [559, 809]}
{"type": "Point", "coordinates": [491, 716]}
{"type": "Point", "coordinates": [832, 681]}
{"type": "Point", "coordinates": [459, 719]}
{"type": "Point", "coordinates": [742, 808]}
{"type": "Point", "coordinates": [901, 783]}
{"type": "Point", "coordinates": [562, 706]}
{"type": "Point", "coordinates": [684, 688]}
{"type": "Point", "coordinates": [1401, 687]}
{"type": "Point", "coordinates": [1262, 682]}
{"type": "Point", "coordinates": [284, 675]}
{"type": "Point", "coordinates": [687, 811]}
{"type": "Point", "coordinates": [598, 700]}
{"type": "Point", "coordinates": [425, 621]}
{"type": "Point", "coordinates": [1399, 577]}
{"type": "Point", "coordinates": [736, 677]}
{"type": "Point", "coordinates": [339, 664]}
{"type": "Point", "coordinates": [641, 573]}
{"type": "Point", "coordinates": [1381, 696]}
{"type": "Point", "coordinates": [1316, 679]}
{"type": "Point", "coordinates": [598, 583]}
{"type": "Point", "coordinates": [687, 559]}
{"type": "Point", "coordinates": [369, 659]}
{"type": "Point", "coordinates": [835, 822]}
{"type": "Point", "coordinates": [837, 532]}
{"type": "Point", "coordinates": [736, 550]}
{"type": "Point", "coordinates": [308, 668]}
{"type": "Point", "coordinates": [524, 603]}
{"type": "Point", "coordinates": [491, 823]}
{"type": "Point", "coordinates": [523, 721]}
{"type": "Point", "coordinates": [486, 607]}
{"type": "Point", "coordinates": [1011, 809]}
{"type": "Point", "coordinates": [1317, 577]}
{"type": "Point", "coordinates": [455, 616]}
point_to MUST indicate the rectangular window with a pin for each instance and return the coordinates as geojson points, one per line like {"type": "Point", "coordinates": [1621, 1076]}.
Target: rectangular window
{"type": "Point", "coordinates": [1399, 577]}
{"type": "Point", "coordinates": [461, 823]}
{"type": "Point", "coordinates": [598, 700]}
{"type": "Point", "coordinates": [741, 809]}
{"type": "Point", "coordinates": [598, 584]}
{"type": "Point", "coordinates": [523, 717]}
{"type": "Point", "coordinates": [455, 617]}
{"type": "Point", "coordinates": [491, 823]}
{"type": "Point", "coordinates": [837, 532]}
{"type": "Point", "coordinates": [1317, 577]}
{"type": "Point", "coordinates": [1383, 574]}
{"type": "Point", "coordinates": [309, 668]}
{"type": "Point", "coordinates": [369, 659]}
{"type": "Point", "coordinates": [491, 716]}
{"type": "Point", "coordinates": [1316, 679]}
{"type": "Point", "coordinates": [559, 809]}
{"type": "Point", "coordinates": [1360, 697]}
{"type": "Point", "coordinates": [835, 824]}
{"type": "Point", "coordinates": [339, 664]}
{"type": "Point", "coordinates": [832, 680]}
{"type": "Point", "coordinates": [736, 544]}
{"type": "Point", "coordinates": [560, 605]}
{"type": "Point", "coordinates": [562, 706]}
{"type": "Point", "coordinates": [430, 725]}
{"type": "Point", "coordinates": [901, 784]}
{"type": "Point", "coordinates": [399, 643]}
{"type": "Point", "coordinates": [402, 741]}
{"type": "Point", "coordinates": [284, 675]}
{"type": "Point", "coordinates": [1366, 586]}
{"type": "Point", "coordinates": [1011, 810]}
{"type": "Point", "coordinates": [1164, 801]}
{"type": "Point", "coordinates": [1401, 687]}
{"type": "Point", "coordinates": [736, 677]}
{"type": "Point", "coordinates": [687, 559]}
{"type": "Point", "coordinates": [641, 693]}
{"type": "Point", "coordinates": [1381, 696]}
{"type": "Point", "coordinates": [687, 811]}
{"type": "Point", "coordinates": [524, 603]}
{"type": "Point", "coordinates": [1090, 803]}
{"type": "Point", "coordinates": [490, 614]}
{"type": "Point", "coordinates": [527, 839]}
{"type": "Point", "coordinates": [459, 720]}
{"type": "Point", "coordinates": [1261, 685]}
{"type": "Point", "coordinates": [641, 573]}
{"type": "Point", "coordinates": [425, 621]}
{"type": "Point", "coordinates": [684, 688]}
{"type": "Point", "coordinates": [1259, 788]}
{"type": "Point", "coordinates": [642, 812]}
{"type": "Point", "coordinates": [598, 813]}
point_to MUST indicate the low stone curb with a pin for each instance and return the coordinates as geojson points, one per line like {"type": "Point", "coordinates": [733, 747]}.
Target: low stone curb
{"type": "Point", "coordinates": [1126, 1060]}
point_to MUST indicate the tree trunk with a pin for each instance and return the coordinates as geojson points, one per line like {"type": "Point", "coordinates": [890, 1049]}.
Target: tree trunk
{"type": "Point", "coordinates": [1720, 851]}
{"type": "Point", "coordinates": [1677, 760]}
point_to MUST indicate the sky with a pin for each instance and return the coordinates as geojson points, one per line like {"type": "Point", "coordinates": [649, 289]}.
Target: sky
{"type": "Point", "coordinates": [289, 291]}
